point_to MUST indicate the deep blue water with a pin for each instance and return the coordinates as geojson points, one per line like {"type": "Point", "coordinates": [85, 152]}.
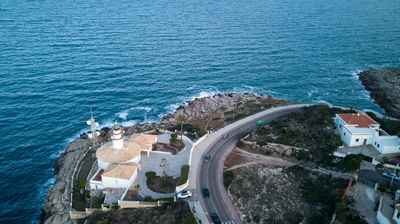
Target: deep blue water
{"type": "Point", "coordinates": [135, 60]}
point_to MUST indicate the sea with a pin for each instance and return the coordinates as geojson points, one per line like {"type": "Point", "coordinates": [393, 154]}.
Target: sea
{"type": "Point", "coordinates": [136, 60]}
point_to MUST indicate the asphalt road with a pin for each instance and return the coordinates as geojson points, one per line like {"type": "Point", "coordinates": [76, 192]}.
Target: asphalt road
{"type": "Point", "coordinates": [375, 177]}
{"type": "Point", "coordinates": [211, 173]}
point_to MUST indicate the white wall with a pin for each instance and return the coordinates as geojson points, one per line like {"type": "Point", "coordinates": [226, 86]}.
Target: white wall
{"type": "Point", "coordinates": [102, 165]}
{"type": "Point", "coordinates": [111, 182]}
{"type": "Point", "coordinates": [394, 217]}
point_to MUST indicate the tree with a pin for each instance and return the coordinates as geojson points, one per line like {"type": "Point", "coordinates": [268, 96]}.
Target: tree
{"type": "Point", "coordinates": [181, 119]}
{"type": "Point", "coordinates": [137, 187]}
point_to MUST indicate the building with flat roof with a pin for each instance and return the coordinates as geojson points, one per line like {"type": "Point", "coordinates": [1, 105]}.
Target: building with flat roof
{"type": "Point", "coordinates": [360, 129]}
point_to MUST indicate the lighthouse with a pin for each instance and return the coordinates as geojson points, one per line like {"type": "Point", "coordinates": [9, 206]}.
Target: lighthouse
{"type": "Point", "coordinates": [117, 137]}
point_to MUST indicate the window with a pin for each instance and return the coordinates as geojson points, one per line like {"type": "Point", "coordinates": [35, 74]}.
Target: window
{"type": "Point", "coordinates": [375, 143]}
{"type": "Point", "coordinates": [357, 140]}
{"type": "Point", "coordinates": [340, 125]}
{"type": "Point", "coordinates": [398, 215]}
{"type": "Point", "coordinates": [344, 133]}
{"type": "Point", "coordinates": [378, 145]}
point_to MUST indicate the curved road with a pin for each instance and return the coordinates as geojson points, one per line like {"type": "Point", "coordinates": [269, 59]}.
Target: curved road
{"type": "Point", "coordinates": [210, 175]}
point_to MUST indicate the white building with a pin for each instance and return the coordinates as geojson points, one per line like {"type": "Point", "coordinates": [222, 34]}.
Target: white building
{"type": "Point", "coordinates": [119, 160]}
{"type": "Point", "coordinates": [360, 129]}
{"type": "Point", "coordinates": [389, 213]}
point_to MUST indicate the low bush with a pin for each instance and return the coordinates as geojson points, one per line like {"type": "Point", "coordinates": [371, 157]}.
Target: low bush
{"type": "Point", "coordinates": [228, 177]}
{"type": "Point", "coordinates": [184, 175]}
{"type": "Point", "coordinates": [202, 133]}
{"type": "Point", "coordinates": [240, 143]}
{"type": "Point", "coordinates": [150, 174]}
{"type": "Point", "coordinates": [82, 183]}
{"type": "Point", "coordinates": [173, 138]}
{"type": "Point", "coordinates": [149, 199]}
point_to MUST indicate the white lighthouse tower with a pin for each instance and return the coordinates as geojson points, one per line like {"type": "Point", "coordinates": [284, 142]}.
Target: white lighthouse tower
{"type": "Point", "coordinates": [117, 137]}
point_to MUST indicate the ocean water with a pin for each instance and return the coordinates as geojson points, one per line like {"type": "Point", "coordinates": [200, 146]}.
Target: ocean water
{"type": "Point", "coordinates": [134, 61]}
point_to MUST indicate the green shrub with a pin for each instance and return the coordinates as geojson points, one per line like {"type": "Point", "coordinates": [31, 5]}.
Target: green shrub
{"type": "Point", "coordinates": [115, 206]}
{"type": "Point", "coordinates": [188, 218]}
{"type": "Point", "coordinates": [150, 174]}
{"type": "Point", "coordinates": [228, 177]}
{"type": "Point", "coordinates": [82, 183]}
{"type": "Point", "coordinates": [86, 194]}
{"type": "Point", "coordinates": [240, 143]}
{"type": "Point", "coordinates": [191, 135]}
{"type": "Point", "coordinates": [383, 186]}
{"type": "Point", "coordinates": [184, 175]}
{"type": "Point", "coordinates": [350, 163]}
{"type": "Point", "coordinates": [186, 127]}
{"type": "Point", "coordinates": [202, 133]}
{"type": "Point", "coordinates": [173, 138]}
{"type": "Point", "coordinates": [149, 199]}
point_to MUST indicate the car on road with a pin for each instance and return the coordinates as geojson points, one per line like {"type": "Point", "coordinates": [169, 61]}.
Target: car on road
{"type": "Point", "coordinates": [215, 218]}
{"type": "Point", "coordinates": [391, 176]}
{"type": "Point", "coordinates": [206, 158]}
{"type": "Point", "coordinates": [184, 194]}
{"type": "Point", "coordinates": [206, 193]}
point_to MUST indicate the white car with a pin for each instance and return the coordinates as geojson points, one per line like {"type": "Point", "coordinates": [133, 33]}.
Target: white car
{"type": "Point", "coordinates": [184, 194]}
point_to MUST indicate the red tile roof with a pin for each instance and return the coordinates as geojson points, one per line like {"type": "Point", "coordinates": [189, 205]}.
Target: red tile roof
{"type": "Point", "coordinates": [361, 120]}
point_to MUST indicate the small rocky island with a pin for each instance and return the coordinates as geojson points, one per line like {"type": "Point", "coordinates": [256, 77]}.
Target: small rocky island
{"type": "Point", "coordinates": [384, 85]}
{"type": "Point", "coordinates": [209, 113]}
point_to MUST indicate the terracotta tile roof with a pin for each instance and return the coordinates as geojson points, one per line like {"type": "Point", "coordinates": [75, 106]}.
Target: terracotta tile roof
{"type": "Point", "coordinates": [106, 154]}
{"type": "Point", "coordinates": [361, 120]}
{"type": "Point", "coordinates": [121, 171]}
{"type": "Point", "coordinates": [144, 140]}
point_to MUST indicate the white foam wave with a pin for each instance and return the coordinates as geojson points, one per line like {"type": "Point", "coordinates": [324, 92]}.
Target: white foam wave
{"type": "Point", "coordinates": [324, 102]}
{"type": "Point", "coordinates": [310, 93]}
{"type": "Point", "coordinates": [124, 114]}
{"type": "Point", "coordinates": [355, 73]}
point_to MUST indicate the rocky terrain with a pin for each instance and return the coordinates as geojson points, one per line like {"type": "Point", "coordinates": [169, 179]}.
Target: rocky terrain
{"type": "Point", "coordinates": [384, 85]}
{"type": "Point", "coordinates": [204, 113]}
{"type": "Point", "coordinates": [221, 109]}
{"type": "Point", "coordinates": [267, 195]}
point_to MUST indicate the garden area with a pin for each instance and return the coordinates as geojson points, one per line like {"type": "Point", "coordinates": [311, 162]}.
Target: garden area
{"type": "Point", "coordinates": [165, 184]}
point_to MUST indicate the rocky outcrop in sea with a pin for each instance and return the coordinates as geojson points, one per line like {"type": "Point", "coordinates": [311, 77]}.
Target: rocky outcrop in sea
{"type": "Point", "coordinates": [384, 85]}
{"type": "Point", "coordinates": [204, 113]}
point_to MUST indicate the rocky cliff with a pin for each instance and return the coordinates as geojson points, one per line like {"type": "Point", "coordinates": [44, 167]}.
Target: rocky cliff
{"type": "Point", "coordinates": [384, 85]}
{"type": "Point", "coordinates": [205, 113]}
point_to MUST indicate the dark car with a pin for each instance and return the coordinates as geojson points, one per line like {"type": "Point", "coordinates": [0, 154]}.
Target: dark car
{"type": "Point", "coordinates": [215, 218]}
{"type": "Point", "coordinates": [206, 158]}
{"type": "Point", "coordinates": [206, 193]}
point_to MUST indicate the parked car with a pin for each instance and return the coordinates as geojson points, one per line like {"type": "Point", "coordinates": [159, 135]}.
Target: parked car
{"type": "Point", "coordinates": [206, 158]}
{"type": "Point", "coordinates": [184, 194]}
{"type": "Point", "coordinates": [206, 193]}
{"type": "Point", "coordinates": [215, 218]}
{"type": "Point", "coordinates": [391, 175]}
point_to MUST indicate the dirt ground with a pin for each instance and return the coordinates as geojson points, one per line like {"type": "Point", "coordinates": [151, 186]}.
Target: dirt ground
{"type": "Point", "coordinates": [155, 184]}
{"type": "Point", "coordinates": [240, 158]}
{"type": "Point", "coordinates": [133, 195]}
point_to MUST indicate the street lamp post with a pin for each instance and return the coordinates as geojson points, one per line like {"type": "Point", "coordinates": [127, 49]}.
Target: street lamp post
{"type": "Point", "coordinates": [391, 182]}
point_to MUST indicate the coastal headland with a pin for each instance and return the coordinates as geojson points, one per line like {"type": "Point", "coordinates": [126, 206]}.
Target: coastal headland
{"type": "Point", "coordinates": [209, 113]}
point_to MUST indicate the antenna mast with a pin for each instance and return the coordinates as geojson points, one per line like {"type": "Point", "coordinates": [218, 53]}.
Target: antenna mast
{"type": "Point", "coordinates": [93, 125]}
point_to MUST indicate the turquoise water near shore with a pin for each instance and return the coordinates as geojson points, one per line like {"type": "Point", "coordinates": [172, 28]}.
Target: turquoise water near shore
{"type": "Point", "coordinates": [134, 61]}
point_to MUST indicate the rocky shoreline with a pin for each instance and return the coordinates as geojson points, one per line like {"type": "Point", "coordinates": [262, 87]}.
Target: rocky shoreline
{"type": "Point", "coordinates": [204, 113]}
{"type": "Point", "coordinates": [384, 85]}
